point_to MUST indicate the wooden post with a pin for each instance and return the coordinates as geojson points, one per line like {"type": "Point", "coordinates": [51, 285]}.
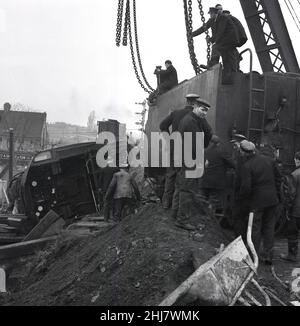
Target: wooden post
{"type": "Point", "coordinates": [11, 154]}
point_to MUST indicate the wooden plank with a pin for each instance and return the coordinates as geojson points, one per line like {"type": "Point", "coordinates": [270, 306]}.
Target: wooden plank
{"type": "Point", "coordinates": [9, 239]}
{"type": "Point", "coordinates": [50, 218]}
{"type": "Point", "coordinates": [23, 248]}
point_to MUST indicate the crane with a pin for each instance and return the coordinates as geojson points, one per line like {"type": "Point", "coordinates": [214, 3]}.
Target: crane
{"type": "Point", "coordinates": [270, 36]}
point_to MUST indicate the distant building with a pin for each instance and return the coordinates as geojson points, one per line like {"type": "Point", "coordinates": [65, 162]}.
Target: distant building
{"type": "Point", "coordinates": [30, 131]}
{"type": "Point", "coordinates": [30, 136]}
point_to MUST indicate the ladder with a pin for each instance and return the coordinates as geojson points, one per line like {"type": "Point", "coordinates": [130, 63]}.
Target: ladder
{"type": "Point", "coordinates": [257, 111]}
{"type": "Point", "coordinates": [257, 106]}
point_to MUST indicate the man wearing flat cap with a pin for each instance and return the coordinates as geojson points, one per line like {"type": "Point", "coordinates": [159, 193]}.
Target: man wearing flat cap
{"type": "Point", "coordinates": [170, 197]}
{"type": "Point", "coordinates": [259, 188]}
{"type": "Point", "coordinates": [240, 210]}
{"type": "Point", "coordinates": [189, 190]}
{"type": "Point", "coordinates": [224, 39]}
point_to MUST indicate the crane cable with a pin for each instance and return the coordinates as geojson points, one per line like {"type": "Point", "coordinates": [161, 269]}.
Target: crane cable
{"type": "Point", "coordinates": [291, 13]}
{"type": "Point", "coordinates": [200, 5]}
{"type": "Point", "coordinates": [188, 15]}
{"type": "Point", "coordinates": [138, 48]}
{"type": "Point", "coordinates": [295, 13]}
{"type": "Point", "coordinates": [133, 54]}
{"type": "Point", "coordinates": [128, 32]}
{"type": "Point", "coordinates": [119, 22]}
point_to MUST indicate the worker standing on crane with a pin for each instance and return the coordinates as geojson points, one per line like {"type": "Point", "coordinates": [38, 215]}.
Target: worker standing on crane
{"type": "Point", "coordinates": [166, 79]}
{"type": "Point", "coordinates": [225, 40]}
{"type": "Point", "coordinates": [242, 36]}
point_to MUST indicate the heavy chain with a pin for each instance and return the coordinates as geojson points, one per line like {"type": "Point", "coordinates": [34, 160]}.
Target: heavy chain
{"type": "Point", "coordinates": [188, 9]}
{"type": "Point", "coordinates": [138, 48]}
{"type": "Point", "coordinates": [119, 22]}
{"type": "Point", "coordinates": [206, 32]}
{"type": "Point", "coordinates": [132, 53]}
{"type": "Point", "coordinates": [126, 24]}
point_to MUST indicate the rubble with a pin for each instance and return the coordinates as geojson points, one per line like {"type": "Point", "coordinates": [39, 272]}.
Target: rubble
{"type": "Point", "coordinates": [140, 261]}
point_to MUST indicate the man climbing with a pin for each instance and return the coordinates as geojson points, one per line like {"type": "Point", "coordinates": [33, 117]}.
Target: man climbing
{"type": "Point", "coordinates": [167, 79]}
{"type": "Point", "coordinates": [293, 226]}
{"type": "Point", "coordinates": [105, 177]}
{"type": "Point", "coordinates": [172, 121]}
{"type": "Point", "coordinates": [122, 189]}
{"type": "Point", "coordinates": [189, 204]}
{"type": "Point", "coordinates": [225, 40]}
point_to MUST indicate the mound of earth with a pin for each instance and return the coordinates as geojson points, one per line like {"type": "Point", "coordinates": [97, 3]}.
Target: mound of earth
{"type": "Point", "coordinates": [138, 262]}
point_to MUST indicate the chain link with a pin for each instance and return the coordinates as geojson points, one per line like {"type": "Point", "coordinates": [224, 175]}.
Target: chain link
{"type": "Point", "coordinates": [138, 48]}
{"type": "Point", "coordinates": [127, 21]}
{"type": "Point", "coordinates": [119, 22]}
{"type": "Point", "coordinates": [188, 8]}
{"type": "Point", "coordinates": [132, 53]}
{"type": "Point", "coordinates": [206, 32]}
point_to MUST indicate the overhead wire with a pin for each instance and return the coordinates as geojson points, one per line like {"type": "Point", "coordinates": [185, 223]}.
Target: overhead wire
{"type": "Point", "coordinates": [291, 13]}
{"type": "Point", "coordinates": [295, 13]}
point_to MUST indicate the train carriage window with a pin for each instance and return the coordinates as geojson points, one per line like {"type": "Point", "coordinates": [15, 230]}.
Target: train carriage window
{"type": "Point", "coordinates": [43, 157]}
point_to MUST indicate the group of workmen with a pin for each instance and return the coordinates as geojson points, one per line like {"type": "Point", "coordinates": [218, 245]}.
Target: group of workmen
{"type": "Point", "coordinates": [256, 186]}
{"type": "Point", "coordinates": [228, 34]}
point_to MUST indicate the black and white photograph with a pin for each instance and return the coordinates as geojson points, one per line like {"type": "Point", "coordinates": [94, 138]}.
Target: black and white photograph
{"type": "Point", "coordinates": [149, 156]}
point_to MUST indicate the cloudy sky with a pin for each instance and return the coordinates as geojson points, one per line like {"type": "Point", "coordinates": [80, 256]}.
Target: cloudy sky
{"type": "Point", "coordinates": [59, 56]}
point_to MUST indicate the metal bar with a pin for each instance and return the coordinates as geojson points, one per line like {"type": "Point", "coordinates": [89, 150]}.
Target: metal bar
{"type": "Point", "coordinates": [261, 290]}
{"type": "Point", "coordinates": [11, 155]}
{"type": "Point", "coordinates": [273, 296]}
{"type": "Point", "coordinates": [251, 297]}
{"type": "Point", "coordinates": [244, 302]}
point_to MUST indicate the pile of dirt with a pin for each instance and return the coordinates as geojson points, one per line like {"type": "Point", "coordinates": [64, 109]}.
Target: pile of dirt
{"type": "Point", "coordinates": [138, 262]}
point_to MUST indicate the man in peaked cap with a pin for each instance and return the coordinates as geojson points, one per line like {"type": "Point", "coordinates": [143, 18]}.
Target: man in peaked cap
{"type": "Point", "coordinates": [173, 120]}
{"type": "Point", "coordinates": [189, 208]}
{"type": "Point", "coordinates": [259, 189]}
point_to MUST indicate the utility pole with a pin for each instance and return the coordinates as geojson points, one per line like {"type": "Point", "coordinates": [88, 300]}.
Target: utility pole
{"type": "Point", "coordinates": [11, 155]}
{"type": "Point", "coordinates": [143, 117]}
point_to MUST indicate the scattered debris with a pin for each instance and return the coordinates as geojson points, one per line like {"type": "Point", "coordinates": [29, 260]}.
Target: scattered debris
{"type": "Point", "coordinates": [295, 303]}
{"type": "Point", "coordinates": [44, 225]}
{"type": "Point", "coordinates": [219, 281]}
{"type": "Point", "coordinates": [95, 297]}
{"type": "Point", "coordinates": [23, 248]}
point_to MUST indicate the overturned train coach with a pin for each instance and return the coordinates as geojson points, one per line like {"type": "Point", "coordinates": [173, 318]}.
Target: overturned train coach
{"type": "Point", "coordinates": [63, 179]}
{"type": "Point", "coordinates": [263, 107]}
